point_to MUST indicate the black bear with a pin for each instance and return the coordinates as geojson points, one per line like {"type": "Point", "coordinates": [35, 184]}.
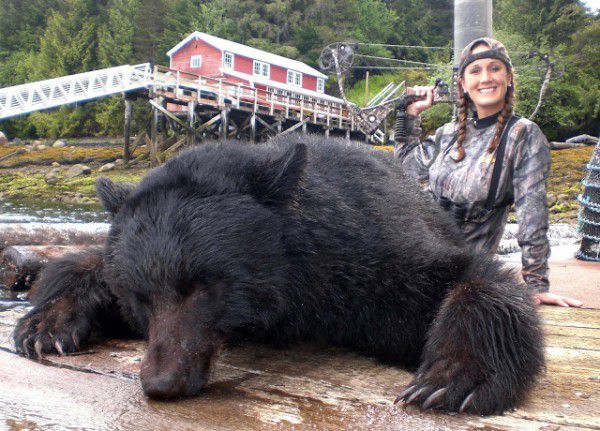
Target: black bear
{"type": "Point", "coordinates": [310, 239]}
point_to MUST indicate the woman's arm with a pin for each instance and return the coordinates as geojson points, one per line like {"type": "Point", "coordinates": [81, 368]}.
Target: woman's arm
{"type": "Point", "coordinates": [416, 156]}
{"type": "Point", "coordinates": [531, 168]}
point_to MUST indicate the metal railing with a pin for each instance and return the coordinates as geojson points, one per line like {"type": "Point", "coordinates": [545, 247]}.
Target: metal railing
{"type": "Point", "coordinates": [82, 87]}
{"type": "Point", "coordinates": [51, 93]}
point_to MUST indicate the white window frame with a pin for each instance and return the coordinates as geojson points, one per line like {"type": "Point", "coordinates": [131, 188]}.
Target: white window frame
{"type": "Point", "coordinates": [193, 59]}
{"type": "Point", "coordinates": [227, 54]}
{"type": "Point", "coordinates": [294, 78]}
{"type": "Point", "coordinates": [260, 68]}
{"type": "Point", "coordinates": [321, 85]}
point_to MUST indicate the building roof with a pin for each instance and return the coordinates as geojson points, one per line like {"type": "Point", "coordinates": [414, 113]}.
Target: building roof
{"type": "Point", "coordinates": [247, 51]}
{"type": "Point", "coordinates": [267, 82]}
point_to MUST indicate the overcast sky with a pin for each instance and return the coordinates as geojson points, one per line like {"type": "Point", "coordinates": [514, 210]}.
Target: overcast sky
{"type": "Point", "coordinates": [594, 4]}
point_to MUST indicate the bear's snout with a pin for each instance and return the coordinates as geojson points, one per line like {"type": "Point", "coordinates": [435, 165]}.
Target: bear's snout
{"type": "Point", "coordinates": [163, 386]}
{"type": "Point", "coordinates": [179, 356]}
{"type": "Point", "coordinates": [174, 374]}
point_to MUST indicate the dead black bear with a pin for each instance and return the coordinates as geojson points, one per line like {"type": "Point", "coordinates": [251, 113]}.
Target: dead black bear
{"type": "Point", "coordinates": [321, 240]}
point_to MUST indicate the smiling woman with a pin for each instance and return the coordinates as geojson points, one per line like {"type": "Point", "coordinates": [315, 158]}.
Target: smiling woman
{"type": "Point", "coordinates": [478, 166]}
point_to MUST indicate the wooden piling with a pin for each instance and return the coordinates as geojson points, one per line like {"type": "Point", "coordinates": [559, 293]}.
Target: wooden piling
{"type": "Point", "coordinates": [224, 123]}
{"type": "Point", "coordinates": [154, 136]}
{"type": "Point", "coordinates": [253, 127]}
{"type": "Point", "coordinates": [127, 130]}
{"type": "Point", "coordinates": [191, 121]}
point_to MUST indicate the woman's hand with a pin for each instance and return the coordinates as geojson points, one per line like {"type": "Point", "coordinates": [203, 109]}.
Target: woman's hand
{"type": "Point", "coordinates": [553, 299]}
{"type": "Point", "coordinates": [421, 105]}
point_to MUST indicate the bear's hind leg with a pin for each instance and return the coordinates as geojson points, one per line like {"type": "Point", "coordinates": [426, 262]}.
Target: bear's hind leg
{"type": "Point", "coordinates": [69, 298]}
{"type": "Point", "coordinates": [484, 348]}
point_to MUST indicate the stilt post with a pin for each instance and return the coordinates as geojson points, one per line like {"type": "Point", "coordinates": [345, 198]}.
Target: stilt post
{"type": "Point", "coordinates": [127, 130]}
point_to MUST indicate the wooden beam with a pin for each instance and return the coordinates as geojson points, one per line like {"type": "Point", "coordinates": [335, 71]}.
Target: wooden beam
{"type": "Point", "coordinates": [294, 127]}
{"type": "Point", "coordinates": [209, 123]}
{"type": "Point", "coordinates": [154, 132]}
{"type": "Point", "coordinates": [191, 134]}
{"type": "Point", "coordinates": [127, 130]}
{"type": "Point", "coordinates": [267, 125]}
{"type": "Point", "coordinates": [176, 145]}
{"type": "Point", "coordinates": [168, 114]}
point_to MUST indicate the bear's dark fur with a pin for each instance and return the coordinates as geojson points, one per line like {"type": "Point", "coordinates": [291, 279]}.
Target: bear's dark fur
{"type": "Point", "coordinates": [320, 240]}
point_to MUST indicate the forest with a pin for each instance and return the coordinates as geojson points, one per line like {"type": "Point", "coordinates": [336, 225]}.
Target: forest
{"type": "Point", "coordinates": [41, 39]}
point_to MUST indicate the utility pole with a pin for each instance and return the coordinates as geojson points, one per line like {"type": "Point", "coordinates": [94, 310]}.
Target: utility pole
{"type": "Point", "coordinates": [472, 19]}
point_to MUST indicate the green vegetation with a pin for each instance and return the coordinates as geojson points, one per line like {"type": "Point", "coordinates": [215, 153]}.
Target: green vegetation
{"type": "Point", "coordinates": [65, 155]}
{"type": "Point", "coordinates": [41, 39]}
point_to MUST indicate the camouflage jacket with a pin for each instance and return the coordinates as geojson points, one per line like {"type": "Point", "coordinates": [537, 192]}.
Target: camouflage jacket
{"type": "Point", "coordinates": [523, 180]}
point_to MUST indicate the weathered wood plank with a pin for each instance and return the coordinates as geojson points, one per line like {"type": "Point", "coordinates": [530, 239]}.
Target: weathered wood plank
{"type": "Point", "coordinates": [312, 387]}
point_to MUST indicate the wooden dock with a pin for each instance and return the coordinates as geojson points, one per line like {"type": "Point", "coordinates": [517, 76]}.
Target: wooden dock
{"type": "Point", "coordinates": [304, 387]}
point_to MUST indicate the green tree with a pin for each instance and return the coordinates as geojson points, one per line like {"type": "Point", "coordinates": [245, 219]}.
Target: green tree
{"type": "Point", "coordinates": [149, 26]}
{"type": "Point", "coordinates": [186, 16]}
{"type": "Point", "coordinates": [115, 34]}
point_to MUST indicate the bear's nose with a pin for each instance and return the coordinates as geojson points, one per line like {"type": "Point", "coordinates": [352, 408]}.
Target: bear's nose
{"type": "Point", "coordinates": [163, 386]}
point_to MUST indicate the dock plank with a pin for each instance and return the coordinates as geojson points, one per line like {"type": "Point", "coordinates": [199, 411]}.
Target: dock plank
{"type": "Point", "coordinates": [303, 387]}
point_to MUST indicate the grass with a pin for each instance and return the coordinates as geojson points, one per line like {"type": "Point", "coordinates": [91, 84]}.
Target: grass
{"type": "Point", "coordinates": [31, 185]}
{"type": "Point", "coordinates": [64, 155]}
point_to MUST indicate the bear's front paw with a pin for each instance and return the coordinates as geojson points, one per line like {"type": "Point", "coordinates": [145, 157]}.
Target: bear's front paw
{"type": "Point", "coordinates": [56, 326]}
{"type": "Point", "coordinates": [454, 387]}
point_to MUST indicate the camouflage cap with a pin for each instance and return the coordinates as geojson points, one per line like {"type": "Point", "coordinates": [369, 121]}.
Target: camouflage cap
{"type": "Point", "coordinates": [497, 51]}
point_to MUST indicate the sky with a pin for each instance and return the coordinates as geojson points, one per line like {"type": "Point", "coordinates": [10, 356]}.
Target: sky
{"type": "Point", "coordinates": [593, 4]}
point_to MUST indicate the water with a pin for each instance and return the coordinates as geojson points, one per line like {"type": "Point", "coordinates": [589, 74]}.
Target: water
{"type": "Point", "coordinates": [10, 299]}
{"type": "Point", "coordinates": [48, 212]}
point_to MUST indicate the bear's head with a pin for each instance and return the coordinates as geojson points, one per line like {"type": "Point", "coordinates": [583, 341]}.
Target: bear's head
{"type": "Point", "coordinates": [194, 254]}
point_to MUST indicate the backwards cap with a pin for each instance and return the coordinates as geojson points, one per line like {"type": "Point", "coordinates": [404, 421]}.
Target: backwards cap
{"type": "Point", "coordinates": [497, 51]}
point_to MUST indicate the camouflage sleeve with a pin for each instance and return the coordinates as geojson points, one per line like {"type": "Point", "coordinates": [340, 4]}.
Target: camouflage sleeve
{"type": "Point", "coordinates": [415, 155]}
{"type": "Point", "coordinates": [531, 168]}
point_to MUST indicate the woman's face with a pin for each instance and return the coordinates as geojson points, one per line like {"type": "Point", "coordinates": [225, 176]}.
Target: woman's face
{"type": "Point", "coordinates": [486, 80]}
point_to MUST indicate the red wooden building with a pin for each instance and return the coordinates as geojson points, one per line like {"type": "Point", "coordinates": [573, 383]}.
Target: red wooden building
{"type": "Point", "coordinates": [210, 56]}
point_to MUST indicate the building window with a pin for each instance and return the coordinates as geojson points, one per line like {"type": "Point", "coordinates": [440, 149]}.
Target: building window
{"type": "Point", "coordinates": [320, 85]}
{"type": "Point", "coordinates": [260, 69]}
{"type": "Point", "coordinates": [195, 61]}
{"type": "Point", "coordinates": [228, 60]}
{"type": "Point", "coordinates": [294, 78]}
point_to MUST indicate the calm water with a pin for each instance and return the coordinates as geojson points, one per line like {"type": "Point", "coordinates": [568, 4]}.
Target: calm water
{"type": "Point", "coordinates": [31, 211]}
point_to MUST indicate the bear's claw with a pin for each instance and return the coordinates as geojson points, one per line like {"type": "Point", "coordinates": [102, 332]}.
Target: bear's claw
{"type": "Point", "coordinates": [426, 396]}
{"type": "Point", "coordinates": [435, 398]}
{"type": "Point", "coordinates": [467, 403]}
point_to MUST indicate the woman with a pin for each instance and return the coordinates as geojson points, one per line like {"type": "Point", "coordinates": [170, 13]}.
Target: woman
{"type": "Point", "coordinates": [458, 163]}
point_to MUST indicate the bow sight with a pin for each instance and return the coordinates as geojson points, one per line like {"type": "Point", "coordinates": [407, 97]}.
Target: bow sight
{"type": "Point", "coordinates": [339, 57]}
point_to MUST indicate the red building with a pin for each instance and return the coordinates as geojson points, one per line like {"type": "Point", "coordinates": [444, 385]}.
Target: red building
{"type": "Point", "coordinates": [211, 56]}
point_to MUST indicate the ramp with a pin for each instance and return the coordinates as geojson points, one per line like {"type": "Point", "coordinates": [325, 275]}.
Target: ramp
{"type": "Point", "coordinates": [51, 93]}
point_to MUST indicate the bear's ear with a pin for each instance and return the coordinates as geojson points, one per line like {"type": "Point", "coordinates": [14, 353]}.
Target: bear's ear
{"type": "Point", "coordinates": [276, 181]}
{"type": "Point", "coordinates": [112, 194]}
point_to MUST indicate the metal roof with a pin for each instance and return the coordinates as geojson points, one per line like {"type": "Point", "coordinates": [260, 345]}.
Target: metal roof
{"type": "Point", "coordinates": [247, 51]}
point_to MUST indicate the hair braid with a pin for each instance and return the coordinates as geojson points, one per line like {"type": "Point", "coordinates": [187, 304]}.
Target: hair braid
{"type": "Point", "coordinates": [463, 111]}
{"type": "Point", "coordinates": [502, 118]}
